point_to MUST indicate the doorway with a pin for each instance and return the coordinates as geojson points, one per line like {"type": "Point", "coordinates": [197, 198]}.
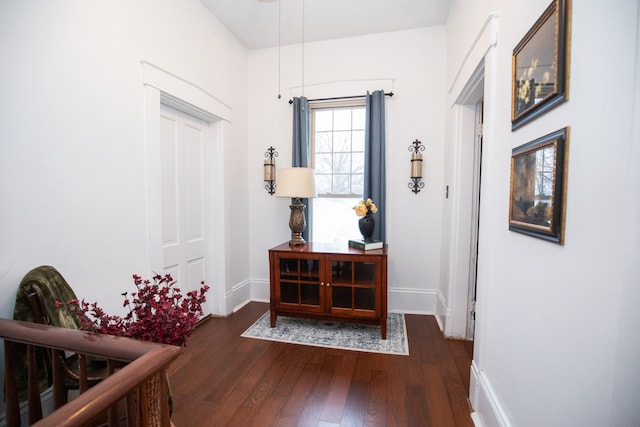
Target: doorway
{"type": "Point", "coordinates": [165, 91]}
{"type": "Point", "coordinates": [475, 219]}
{"type": "Point", "coordinates": [465, 207]}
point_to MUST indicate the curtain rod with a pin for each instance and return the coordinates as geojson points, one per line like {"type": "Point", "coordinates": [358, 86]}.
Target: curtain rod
{"type": "Point", "coordinates": [339, 97]}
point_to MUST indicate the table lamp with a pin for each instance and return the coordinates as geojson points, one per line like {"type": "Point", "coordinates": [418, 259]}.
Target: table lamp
{"type": "Point", "coordinates": [296, 183]}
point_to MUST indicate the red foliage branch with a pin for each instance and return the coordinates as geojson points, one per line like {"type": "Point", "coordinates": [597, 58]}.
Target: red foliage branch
{"type": "Point", "coordinates": [157, 312]}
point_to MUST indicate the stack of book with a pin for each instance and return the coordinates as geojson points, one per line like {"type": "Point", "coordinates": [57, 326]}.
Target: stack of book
{"type": "Point", "coordinates": [366, 246]}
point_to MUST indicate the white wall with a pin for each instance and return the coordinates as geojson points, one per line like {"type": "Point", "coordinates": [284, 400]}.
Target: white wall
{"type": "Point", "coordinates": [411, 64]}
{"type": "Point", "coordinates": [72, 160]}
{"type": "Point", "coordinates": [556, 333]}
{"type": "Point", "coordinates": [556, 341]}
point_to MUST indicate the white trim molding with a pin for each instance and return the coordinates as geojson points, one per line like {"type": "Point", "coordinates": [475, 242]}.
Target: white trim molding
{"type": "Point", "coordinates": [443, 312]}
{"type": "Point", "coordinates": [465, 92]}
{"type": "Point", "coordinates": [46, 400]}
{"type": "Point", "coordinates": [184, 95]}
{"type": "Point", "coordinates": [238, 296]}
{"type": "Point", "coordinates": [399, 300]}
{"type": "Point", "coordinates": [413, 301]}
{"type": "Point", "coordinates": [162, 87]}
{"type": "Point", "coordinates": [485, 40]}
{"type": "Point", "coordinates": [251, 290]}
{"type": "Point", "coordinates": [260, 290]}
{"type": "Point", "coordinates": [487, 410]}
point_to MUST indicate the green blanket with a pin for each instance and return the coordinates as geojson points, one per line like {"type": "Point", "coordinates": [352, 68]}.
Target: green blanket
{"type": "Point", "coordinates": [54, 288]}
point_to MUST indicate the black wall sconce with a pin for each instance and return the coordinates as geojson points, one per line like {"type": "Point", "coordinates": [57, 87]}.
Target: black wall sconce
{"type": "Point", "coordinates": [270, 170]}
{"type": "Point", "coordinates": [416, 183]}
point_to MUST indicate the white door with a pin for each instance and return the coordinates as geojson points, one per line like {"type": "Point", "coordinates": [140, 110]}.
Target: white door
{"type": "Point", "coordinates": [475, 221]}
{"type": "Point", "coordinates": [184, 144]}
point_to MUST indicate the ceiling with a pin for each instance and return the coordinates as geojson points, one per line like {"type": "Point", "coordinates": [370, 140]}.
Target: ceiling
{"type": "Point", "coordinates": [255, 22]}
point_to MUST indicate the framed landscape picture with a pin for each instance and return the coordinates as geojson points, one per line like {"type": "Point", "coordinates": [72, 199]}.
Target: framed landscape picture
{"type": "Point", "coordinates": [540, 66]}
{"type": "Point", "coordinates": [538, 187]}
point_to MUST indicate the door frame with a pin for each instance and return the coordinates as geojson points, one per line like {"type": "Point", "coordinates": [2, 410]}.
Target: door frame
{"type": "Point", "coordinates": [163, 87]}
{"type": "Point", "coordinates": [476, 175]}
{"type": "Point", "coordinates": [464, 207]}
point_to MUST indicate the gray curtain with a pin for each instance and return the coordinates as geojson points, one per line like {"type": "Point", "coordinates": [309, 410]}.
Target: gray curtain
{"type": "Point", "coordinates": [300, 153]}
{"type": "Point", "coordinates": [374, 169]}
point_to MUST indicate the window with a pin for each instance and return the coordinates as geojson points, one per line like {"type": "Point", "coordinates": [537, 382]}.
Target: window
{"type": "Point", "coordinates": [337, 155]}
{"type": "Point", "coordinates": [544, 175]}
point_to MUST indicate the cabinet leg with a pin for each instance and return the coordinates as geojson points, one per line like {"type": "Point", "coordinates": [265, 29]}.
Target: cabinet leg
{"type": "Point", "coordinates": [383, 329]}
{"type": "Point", "coordinates": [274, 316]}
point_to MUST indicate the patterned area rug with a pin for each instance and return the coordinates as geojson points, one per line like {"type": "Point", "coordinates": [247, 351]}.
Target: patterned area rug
{"type": "Point", "coordinates": [343, 335]}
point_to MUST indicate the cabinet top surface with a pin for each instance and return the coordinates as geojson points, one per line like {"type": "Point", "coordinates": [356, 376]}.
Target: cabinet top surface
{"type": "Point", "coordinates": [329, 248]}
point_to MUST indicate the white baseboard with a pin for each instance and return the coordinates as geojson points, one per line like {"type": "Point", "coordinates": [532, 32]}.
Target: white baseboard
{"type": "Point", "coordinates": [487, 410]}
{"type": "Point", "coordinates": [477, 421]}
{"type": "Point", "coordinates": [245, 292]}
{"type": "Point", "coordinates": [412, 301]}
{"type": "Point", "coordinates": [442, 313]}
{"type": "Point", "coordinates": [260, 290]}
{"type": "Point", "coordinates": [237, 297]}
{"type": "Point", "coordinates": [399, 300]}
{"type": "Point", "coordinates": [46, 400]}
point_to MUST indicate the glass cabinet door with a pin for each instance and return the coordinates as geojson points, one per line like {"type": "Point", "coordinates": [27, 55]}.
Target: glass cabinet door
{"type": "Point", "coordinates": [298, 282]}
{"type": "Point", "coordinates": [364, 291]}
{"type": "Point", "coordinates": [353, 285]}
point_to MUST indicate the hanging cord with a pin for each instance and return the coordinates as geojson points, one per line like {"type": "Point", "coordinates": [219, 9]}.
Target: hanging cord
{"type": "Point", "coordinates": [302, 47]}
{"type": "Point", "coordinates": [279, 44]}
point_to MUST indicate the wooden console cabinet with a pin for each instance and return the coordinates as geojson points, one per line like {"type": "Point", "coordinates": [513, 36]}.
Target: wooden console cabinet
{"type": "Point", "coordinates": [329, 281]}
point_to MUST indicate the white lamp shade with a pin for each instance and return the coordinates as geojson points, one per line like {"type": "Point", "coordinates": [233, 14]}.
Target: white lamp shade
{"type": "Point", "coordinates": [296, 182]}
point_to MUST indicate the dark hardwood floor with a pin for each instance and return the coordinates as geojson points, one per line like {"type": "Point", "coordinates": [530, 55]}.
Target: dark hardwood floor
{"type": "Point", "coordinates": [223, 379]}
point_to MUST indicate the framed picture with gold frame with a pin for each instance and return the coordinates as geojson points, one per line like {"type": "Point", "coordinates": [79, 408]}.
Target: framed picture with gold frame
{"type": "Point", "coordinates": [540, 66]}
{"type": "Point", "coordinates": [538, 187]}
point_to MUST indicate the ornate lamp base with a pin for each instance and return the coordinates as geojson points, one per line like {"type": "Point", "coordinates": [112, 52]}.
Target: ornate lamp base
{"type": "Point", "coordinates": [297, 223]}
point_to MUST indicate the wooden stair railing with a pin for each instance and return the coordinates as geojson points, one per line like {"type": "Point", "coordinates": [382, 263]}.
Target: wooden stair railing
{"type": "Point", "coordinates": [141, 378]}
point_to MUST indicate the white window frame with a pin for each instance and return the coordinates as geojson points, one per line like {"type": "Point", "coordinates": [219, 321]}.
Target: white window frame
{"type": "Point", "coordinates": [331, 105]}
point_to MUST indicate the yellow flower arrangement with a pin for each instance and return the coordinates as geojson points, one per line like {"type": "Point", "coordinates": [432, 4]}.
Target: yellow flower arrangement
{"type": "Point", "coordinates": [365, 207]}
